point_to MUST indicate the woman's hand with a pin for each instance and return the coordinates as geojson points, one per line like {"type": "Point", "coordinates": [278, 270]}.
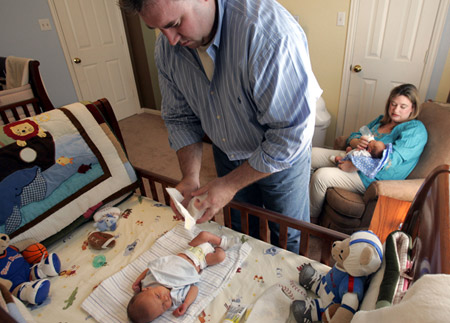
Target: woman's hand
{"type": "Point", "coordinates": [360, 143]}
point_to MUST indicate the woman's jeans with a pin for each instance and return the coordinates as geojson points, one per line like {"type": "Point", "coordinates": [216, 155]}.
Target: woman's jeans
{"type": "Point", "coordinates": [286, 192]}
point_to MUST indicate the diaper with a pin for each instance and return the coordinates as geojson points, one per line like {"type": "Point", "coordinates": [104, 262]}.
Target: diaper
{"type": "Point", "coordinates": [198, 254]}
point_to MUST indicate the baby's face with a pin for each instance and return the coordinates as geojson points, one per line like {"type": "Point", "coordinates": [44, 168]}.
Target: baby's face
{"type": "Point", "coordinates": [157, 298]}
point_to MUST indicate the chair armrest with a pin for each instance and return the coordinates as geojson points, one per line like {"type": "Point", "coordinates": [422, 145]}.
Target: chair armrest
{"type": "Point", "coordinates": [404, 190]}
{"type": "Point", "coordinates": [340, 143]}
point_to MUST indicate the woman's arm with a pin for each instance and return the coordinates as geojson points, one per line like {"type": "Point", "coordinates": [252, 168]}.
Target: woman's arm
{"type": "Point", "coordinates": [190, 298]}
{"type": "Point", "coordinates": [409, 141]}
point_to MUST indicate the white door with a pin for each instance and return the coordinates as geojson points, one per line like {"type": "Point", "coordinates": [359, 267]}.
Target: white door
{"type": "Point", "coordinates": [96, 50]}
{"type": "Point", "coordinates": [391, 44]}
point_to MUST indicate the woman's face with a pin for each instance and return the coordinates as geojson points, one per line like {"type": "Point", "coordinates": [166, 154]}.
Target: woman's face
{"type": "Point", "coordinates": [400, 109]}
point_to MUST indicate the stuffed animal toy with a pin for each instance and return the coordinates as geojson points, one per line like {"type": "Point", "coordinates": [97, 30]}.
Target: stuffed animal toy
{"type": "Point", "coordinates": [25, 281]}
{"type": "Point", "coordinates": [357, 257]}
{"type": "Point", "coordinates": [106, 219]}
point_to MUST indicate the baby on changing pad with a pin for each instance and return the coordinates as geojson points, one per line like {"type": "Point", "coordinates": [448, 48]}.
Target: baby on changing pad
{"type": "Point", "coordinates": [170, 282]}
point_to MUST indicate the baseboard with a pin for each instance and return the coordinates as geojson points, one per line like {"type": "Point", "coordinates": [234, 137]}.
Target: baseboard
{"type": "Point", "coordinates": [151, 111]}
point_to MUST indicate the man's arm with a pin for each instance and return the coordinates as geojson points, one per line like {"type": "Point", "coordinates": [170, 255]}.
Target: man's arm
{"type": "Point", "coordinates": [190, 298]}
{"type": "Point", "coordinates": [190, 161]}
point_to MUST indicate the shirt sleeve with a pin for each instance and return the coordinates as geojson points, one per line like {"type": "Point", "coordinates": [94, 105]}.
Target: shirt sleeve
{"type": "Point", "coordinates": [184, 127]}
{"type": "Point", "coordinates": [285, 93]}
{"type": "Point", "coordinates": [407, 147]}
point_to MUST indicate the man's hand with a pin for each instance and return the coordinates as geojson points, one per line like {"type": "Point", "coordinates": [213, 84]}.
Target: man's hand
{"type": "Point", "coordinates": [190, 160]}
{"type": "Point", "coordinates": [185, 187]}
{"type": "Point", "coordinates": [220, 192]}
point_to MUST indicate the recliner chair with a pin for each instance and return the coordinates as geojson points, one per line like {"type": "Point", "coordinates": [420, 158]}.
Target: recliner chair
{"type": "Point", "coordinates": [348, 212]}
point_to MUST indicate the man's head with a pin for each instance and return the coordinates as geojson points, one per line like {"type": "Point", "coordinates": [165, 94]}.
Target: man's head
{"type": "Point", "coordinates": [375, 148]}
{"type": "Point", "coordinates": [149, 304]}
{"type": "Point", "coordinates": [190, 23]}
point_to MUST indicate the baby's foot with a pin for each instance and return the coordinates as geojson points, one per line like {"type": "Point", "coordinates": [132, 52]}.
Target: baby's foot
{"type": "Point", "coordinates": [228, 242]}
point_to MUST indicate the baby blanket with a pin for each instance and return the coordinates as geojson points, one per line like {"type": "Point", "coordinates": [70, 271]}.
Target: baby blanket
{"type": "Point", "coordinates": [369, 165]}
{"type": "Point", "coordinates": [108, 302]}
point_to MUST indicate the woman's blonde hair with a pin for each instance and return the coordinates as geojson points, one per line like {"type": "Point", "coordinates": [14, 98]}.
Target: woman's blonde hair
{"type": "Point", "coordinates": [407, 90]}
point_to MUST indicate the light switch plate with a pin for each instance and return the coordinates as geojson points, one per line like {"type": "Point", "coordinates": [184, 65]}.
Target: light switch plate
{"type": "Point", "coordinates": [45, 24]}
{"type": "Point", "coordinates": [340, 19]}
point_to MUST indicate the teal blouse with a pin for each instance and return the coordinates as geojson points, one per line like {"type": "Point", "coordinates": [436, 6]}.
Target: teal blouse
{"type": "Point", "coordinates": [408, 141]}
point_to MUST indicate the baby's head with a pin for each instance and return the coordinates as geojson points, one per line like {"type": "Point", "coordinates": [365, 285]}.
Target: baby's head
{"type": "Point", "coordinates": [148, 304]}
{"type": "Point", "coordinates": [375, 148]}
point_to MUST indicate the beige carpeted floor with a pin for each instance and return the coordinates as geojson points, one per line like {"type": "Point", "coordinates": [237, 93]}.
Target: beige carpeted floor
{"type": "Point", "coordinates": [146, 141]}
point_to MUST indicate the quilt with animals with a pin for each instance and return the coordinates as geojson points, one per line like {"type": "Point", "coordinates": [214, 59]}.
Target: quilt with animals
{"type": "Point", "coordinates": [48, 161]}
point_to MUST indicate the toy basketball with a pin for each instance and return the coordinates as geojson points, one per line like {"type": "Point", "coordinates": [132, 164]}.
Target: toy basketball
{"type": "Point", "coordinates": [33, 253]}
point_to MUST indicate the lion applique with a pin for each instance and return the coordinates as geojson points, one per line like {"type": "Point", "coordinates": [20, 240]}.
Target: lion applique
{"type": "Point", "coordinates": [23, 130]}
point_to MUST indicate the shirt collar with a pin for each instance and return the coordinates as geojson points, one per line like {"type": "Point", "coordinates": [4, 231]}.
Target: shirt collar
{"type": "Point", "coordinates": [215, 44]}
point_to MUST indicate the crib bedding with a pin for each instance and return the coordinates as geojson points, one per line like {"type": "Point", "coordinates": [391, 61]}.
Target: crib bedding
{"type": "Point", "coordinates": [55, 167]}
{"type": "Point", "coordinates": [266, 269]}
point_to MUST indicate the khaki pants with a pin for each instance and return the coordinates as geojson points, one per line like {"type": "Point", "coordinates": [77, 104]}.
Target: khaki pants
{"type": "Point", "coordinates": [327, 174]}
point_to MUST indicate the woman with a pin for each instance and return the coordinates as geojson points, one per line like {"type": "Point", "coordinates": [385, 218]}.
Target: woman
{"type": "Point", "coordinates": [398, 126]}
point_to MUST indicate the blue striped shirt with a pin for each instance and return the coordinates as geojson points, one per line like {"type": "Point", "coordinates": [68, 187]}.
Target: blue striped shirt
{"type": "Point", "coordinates": [260, 103]}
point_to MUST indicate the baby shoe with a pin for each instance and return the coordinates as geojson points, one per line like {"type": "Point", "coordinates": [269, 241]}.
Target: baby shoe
{"type": "Point", "coordinates": [50, 266]}
{"type": "Point", "coordinates": [34, 292]}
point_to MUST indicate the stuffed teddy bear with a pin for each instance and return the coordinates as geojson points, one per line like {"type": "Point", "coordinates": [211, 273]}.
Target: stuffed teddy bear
{"type": "Point", "coordinates": [106, 219]}
{"type": "Point", "coordinates": [27, 282]}
{"type": "Point", "coordinates": [341, 290]}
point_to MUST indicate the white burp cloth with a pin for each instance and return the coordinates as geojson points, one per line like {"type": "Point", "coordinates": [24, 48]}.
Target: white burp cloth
{"type": "Point", "coordinates": [192, 214]}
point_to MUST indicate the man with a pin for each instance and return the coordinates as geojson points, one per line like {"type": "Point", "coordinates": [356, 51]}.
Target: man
{"type": "Point", "coordinates": [239, 71]}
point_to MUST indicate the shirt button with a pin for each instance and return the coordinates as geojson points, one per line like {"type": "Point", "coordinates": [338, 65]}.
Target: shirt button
{"type": "Point", "coordinates": [223, 139]}
{"type": "Point", "coordinates": [218, 117]}
{"type": "Point", "coordinates": [232, 156]}
{"type": "Point", "coordinates": [212, 92]}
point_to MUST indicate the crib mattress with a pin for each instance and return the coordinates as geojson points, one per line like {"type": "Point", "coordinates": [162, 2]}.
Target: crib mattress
{"type": "Point", "coordinates": [267, 272]}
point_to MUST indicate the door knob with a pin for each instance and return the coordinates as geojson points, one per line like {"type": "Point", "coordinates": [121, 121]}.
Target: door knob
{"type": "Point", "coordinates": [357, 68]}
{"type": "Point", "coordinates": [76, 60]}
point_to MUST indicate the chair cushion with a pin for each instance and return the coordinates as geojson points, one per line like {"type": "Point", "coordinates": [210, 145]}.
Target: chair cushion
{"type": "Point", "coordinates": [345, 202]}
{"type": "Point", "coordinates": [436, 118]}
{"type": "Point", "coordinates": [335, 221]}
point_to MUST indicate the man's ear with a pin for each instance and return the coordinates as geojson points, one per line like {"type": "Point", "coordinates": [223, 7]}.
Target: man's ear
{"type": "Point", "coordinates": [366, 256]}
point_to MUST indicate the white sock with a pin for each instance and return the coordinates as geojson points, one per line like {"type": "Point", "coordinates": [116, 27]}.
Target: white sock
{"type": "Point", "coordinates": [228, 242]}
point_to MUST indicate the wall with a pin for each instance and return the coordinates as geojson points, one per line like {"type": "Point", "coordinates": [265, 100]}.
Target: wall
{"type": "Point", "coordinates": [20, 35]}
{"type": "Point", "coordinates": [326, 46]}
{"type": "Point", "coordinates": [440, 79]}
